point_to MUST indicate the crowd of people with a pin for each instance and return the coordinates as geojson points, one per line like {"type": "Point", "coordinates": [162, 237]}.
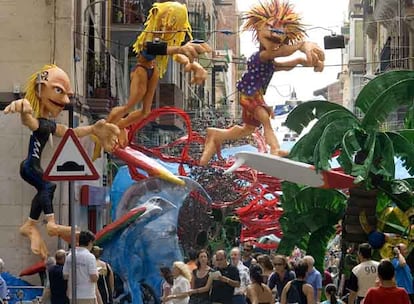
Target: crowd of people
{"type": "Point", "coordinates": [239, 276]}
{"type": "Point", "coordinates": [242, 277]}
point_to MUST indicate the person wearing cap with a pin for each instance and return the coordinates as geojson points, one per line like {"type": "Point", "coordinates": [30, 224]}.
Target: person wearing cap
{"type": "Point", "coordinates": [106, 280]}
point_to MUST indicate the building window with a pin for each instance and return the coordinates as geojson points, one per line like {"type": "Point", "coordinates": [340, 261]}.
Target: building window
{"type": "Point", "coordinates": [128, 12]}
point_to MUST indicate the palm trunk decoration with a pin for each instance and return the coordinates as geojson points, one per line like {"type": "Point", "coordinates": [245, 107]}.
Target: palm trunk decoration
{"type": "Point", "coordinates": [367, 152]}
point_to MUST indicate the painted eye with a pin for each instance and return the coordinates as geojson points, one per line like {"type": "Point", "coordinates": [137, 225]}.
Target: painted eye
{"type": "Point", "coordinates": [58, 90]}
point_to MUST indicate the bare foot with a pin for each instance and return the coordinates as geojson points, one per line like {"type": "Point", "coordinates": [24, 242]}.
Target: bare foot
{"type": "Point", "coordinates": [211, 145]}
{"type": "Point", "coordinates": [64, 232]}
{"type": "Point", "coordinates": [116, 114]}
{"type": "Point", "coordinates": [37, 244]}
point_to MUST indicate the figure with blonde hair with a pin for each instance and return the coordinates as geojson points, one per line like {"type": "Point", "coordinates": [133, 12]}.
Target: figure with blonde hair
{"type": "Point", "coordinates": [48, 91]}
{"type": "Point", "coordinates": [181, 285]}
{"type": "Point", "coordinates": [165, 33]}
{"type": "Point", "coordinates": [278, 30]}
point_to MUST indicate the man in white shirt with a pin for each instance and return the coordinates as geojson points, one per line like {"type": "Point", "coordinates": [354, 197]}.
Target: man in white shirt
{"type": "Point", "coordinates": [86, 270]}
{"type": "Point", "coordinates": [239, 296]}
{"type": "Point", "coordinates": [363, 275]}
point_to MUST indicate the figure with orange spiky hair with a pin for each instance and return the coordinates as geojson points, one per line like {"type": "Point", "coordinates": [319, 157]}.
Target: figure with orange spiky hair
{"type": "Point", "coordinates": [279, 32]}
{"type": "Point", "coordinates": [47, 92]}
{"type": "Point", "coordinates": [165, 33]}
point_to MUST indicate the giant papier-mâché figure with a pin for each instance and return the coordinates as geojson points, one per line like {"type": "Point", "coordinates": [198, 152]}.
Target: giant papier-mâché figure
{"type": "Point", "coordinates": [166, 31]}
{"type": "Point", "coordinates": [47, 93]}
{"type": "Point", "coordinates": [280, 33]}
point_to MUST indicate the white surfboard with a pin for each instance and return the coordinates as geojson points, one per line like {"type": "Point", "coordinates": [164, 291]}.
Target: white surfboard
{"type": "Point", "coordinates": [292, 171]}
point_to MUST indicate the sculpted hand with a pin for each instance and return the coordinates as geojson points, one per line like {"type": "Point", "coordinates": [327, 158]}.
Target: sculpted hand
{"type": "Point", "coordinates": [193, 50]}
{"type": "Point", "coordinates": [314, 54]}
{"type": "Point", "coordinates": [199, 73]}
{"type": "Point", "coordinates": [19, 106]}
{"type": "Point", "coordinates": [183, 60]}
{"type": "Point", "coordinates": [107, 134]}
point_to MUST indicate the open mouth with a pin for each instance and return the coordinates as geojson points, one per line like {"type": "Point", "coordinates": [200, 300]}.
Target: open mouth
{"type": "Point", "coordinates": [57, 104]}
{"type": "Point", "coordinates": [276, 40]}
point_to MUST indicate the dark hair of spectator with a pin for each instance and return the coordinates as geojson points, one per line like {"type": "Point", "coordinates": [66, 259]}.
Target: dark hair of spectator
{"type": "Point", "coordinates": [386, 270]}
{"type": "Point", "coordinates": [300, 268]}
{"type": "Point", "coordinates": [198, 255]}
{"type": "Point", "coordinates": [192, 254]}
{"type": "Point", "coordinates": [85, 237]}
{"type": "Point", "coordinates": [330, 291]}
{"type": "Point", "coordinates": [365, 250]}
{"type": "Point", "coordinates": [265, 261]}
{"type": "Point", "coordinates": [256, 274]}
{"type": "Point", "coordinates": [167, 275]}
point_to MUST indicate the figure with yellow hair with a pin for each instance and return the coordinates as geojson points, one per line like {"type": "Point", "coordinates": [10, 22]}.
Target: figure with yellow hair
{"type": "Point", "coordinates": [47, 93]}
{"type": "Point", "coordinates": [279, 32]}
{"type": "Point", "coordinates": [165, 33]}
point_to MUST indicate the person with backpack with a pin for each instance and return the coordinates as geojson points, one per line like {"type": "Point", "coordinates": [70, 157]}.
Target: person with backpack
{"type": "Point", "coordinates": [298, 291]}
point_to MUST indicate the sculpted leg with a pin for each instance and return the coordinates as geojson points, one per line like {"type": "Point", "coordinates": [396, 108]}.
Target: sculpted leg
{"type": "Point", "coordinates": [215, 138]}
{"type": "Point", "coordinates": [263, 116]}
{"type": "Point", "coordinates": [37, 244]}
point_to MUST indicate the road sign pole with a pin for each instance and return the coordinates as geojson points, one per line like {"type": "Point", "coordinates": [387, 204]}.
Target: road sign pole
{"type": "Point", "coordinates": [70, 162]}
{"type": "Point", "coordinates": [73, 240]}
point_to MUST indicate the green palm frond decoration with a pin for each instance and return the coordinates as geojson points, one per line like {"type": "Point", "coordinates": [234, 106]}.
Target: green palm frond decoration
{"type": "Point", "coordinates": [308, 211]}
{"type": "Point", "coordinates": [375, 88]}
{"type": "Point", "coordinates": [299, 118]}
{"type": "Point", "coordinates": [366, 151]}
{"type": "Point", "coordinates": [397, 95]}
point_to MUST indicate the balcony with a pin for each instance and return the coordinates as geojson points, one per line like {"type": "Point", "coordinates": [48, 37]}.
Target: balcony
{"type": "Point", "coordinates": [128, 12]}
{"type": "Point", "coordinates": [386, 10]}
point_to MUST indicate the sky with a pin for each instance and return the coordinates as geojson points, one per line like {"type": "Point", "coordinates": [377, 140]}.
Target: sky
{"type": "Point", "coordinates": [330, 14]}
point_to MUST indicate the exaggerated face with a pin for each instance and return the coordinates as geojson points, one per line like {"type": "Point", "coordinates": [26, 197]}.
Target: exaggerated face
{"type": "Point", "coordinates": [270, 36]}
{"type": "Point", "coordinates": [55, 91]}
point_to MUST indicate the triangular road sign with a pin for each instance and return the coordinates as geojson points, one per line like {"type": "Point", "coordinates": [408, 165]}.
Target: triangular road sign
{"type": "Point", "coordinates": [70, 161]}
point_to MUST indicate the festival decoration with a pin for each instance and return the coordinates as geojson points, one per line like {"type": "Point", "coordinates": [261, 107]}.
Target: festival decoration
{"type": "Point", "coordinates": [367, 152]}
{"type": "Point", "coordinates": [146, 234]}
{"type": "Point", "coordinates": [48, 91]}
{"type": "Point", "coordinates": [166, 29]}
{"type": "Point", "coordinates": [278, 29]}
